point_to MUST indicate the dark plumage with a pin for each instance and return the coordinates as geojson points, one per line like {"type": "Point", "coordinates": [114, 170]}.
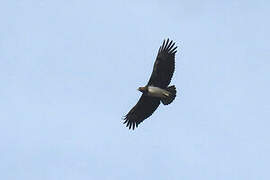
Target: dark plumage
{"type": "Point", "coordinates": [157, 89]}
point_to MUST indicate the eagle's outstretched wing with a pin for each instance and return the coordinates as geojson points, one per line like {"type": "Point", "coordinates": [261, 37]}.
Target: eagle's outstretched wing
{"type": "Point", "coordinates": [164, 65]}
{"type": "Point", "coordinates": [142, 110]}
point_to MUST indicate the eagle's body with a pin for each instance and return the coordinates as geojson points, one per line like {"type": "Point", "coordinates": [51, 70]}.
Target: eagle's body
{"type": "Point", "coordinates": [157, 89]}
{"type": "Point", "coordinates": [157, 92]}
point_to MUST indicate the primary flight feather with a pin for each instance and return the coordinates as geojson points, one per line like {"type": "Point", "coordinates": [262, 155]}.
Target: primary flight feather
{"type": "Point", "coordinates": [157, 89]}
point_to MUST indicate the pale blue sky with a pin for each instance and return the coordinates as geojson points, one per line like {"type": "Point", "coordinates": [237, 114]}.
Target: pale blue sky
{"type": "Point", "coordinates": [69, 71]}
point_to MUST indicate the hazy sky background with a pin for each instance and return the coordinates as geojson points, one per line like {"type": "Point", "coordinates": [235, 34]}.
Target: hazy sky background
{"type": "Point", "coordinates": [69, 71]}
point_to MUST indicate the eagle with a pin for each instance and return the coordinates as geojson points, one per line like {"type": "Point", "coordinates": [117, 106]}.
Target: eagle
{"type": "Point", "coordinates": [157, 89]}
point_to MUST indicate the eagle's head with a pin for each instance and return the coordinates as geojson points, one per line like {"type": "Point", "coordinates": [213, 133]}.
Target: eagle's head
{"type": "Point", "coordinates": [142, 89]}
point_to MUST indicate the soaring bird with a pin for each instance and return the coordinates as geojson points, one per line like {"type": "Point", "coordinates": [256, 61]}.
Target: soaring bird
{"type": "Point", "coordinates": [157, 89]}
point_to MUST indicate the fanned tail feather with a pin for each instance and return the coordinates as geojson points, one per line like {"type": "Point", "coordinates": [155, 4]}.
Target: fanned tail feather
{"type": "Point", "coordinates": [171, 97]}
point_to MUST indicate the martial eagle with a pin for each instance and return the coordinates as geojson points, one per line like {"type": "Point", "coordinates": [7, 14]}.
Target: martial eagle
{"type": "Point", "coordinates": [157, 89]}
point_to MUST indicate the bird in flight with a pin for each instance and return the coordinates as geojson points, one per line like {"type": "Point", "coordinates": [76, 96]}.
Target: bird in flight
{"type": "Point", "coordinates": [157, 89]}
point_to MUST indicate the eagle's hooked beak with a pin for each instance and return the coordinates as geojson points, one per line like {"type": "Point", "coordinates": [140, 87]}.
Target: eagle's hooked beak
{"type": "Point", "coordinates": [141, 89]}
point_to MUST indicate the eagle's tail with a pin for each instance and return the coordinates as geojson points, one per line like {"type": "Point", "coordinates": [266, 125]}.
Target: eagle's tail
{"type": "Point", "coordinates": [168, 99]}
